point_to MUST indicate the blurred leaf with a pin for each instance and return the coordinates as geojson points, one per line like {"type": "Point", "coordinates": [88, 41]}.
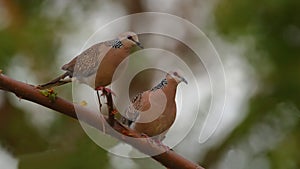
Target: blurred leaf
{"type": "Point", "coordinates": [274, 25]}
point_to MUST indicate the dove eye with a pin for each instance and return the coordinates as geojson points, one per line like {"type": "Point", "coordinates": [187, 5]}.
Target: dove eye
{"type": "Point", "coordinates": [175, 73]}
{"type": "Point", "coordinates": [129, 37]}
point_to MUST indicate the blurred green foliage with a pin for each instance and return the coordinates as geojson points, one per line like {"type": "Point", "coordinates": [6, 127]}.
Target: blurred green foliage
{"type": "Point", "coordinates": [274, 26]}
{"type": "Point", "coordinates": [28, 32]}
{"type": "Point", "coordinates": [76, 151]}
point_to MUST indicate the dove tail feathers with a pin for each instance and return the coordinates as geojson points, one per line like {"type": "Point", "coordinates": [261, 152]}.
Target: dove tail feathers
{"type": "Point", "coordinates": [55, 82]}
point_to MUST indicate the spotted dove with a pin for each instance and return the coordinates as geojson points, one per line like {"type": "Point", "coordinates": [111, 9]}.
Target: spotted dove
{"type": "Point", "coordinates": [96, 65]}
{"type": "Point", "coordinates": [153, 112]}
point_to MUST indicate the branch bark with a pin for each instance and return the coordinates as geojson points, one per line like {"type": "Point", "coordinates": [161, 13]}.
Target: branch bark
{"type": "Point", "coordinates": [22, 90]}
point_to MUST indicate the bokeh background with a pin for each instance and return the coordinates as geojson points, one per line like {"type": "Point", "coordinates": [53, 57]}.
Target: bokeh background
{"type": "Point", "coordinates": [259, 45]}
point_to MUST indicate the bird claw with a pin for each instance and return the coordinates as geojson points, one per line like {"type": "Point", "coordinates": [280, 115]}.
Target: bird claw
{"type": "Point", "coordinates": [157, 142]}
{"type": "Point", "coordinates": [160, 144]}
{"type": "Point", "coordinates": [114, 112]}
{"type": "Point", "coordinates": [105, 90]}
{"type": "Point", "coordinates": [144, 135]}
{"type": "Point", "coordinates": [166, 148]}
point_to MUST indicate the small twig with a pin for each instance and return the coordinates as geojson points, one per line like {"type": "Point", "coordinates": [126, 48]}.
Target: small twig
{"type": "Point", "coordinates": [110, 105]}
{"type": "Point", "coordinates": [99, 101]}
{"type": "Point", "coordinates": [100, 107]}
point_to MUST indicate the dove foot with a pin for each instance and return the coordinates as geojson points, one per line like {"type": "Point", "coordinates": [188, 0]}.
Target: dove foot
{"type": "Point", "coordinates": [105, 90]}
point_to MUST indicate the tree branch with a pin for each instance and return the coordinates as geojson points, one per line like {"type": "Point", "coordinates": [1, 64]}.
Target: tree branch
{"type": "Point", "coordinates": [169, 159]}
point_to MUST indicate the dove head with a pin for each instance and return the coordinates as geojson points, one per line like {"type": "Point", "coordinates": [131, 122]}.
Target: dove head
{"type": "Point", "coordinates": [130, 39]}
{"type": "Point", "coordinates": [176, 76]}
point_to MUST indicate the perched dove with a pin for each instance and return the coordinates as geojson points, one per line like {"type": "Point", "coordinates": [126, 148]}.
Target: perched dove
{"type": "Point", "coordinates": [96, 65]}
{"type": "Point", "coordinates": [153, 112]}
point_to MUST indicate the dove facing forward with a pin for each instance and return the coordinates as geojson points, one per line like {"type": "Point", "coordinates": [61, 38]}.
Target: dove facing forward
{"type": "Point", "coordinates": [153, 112]}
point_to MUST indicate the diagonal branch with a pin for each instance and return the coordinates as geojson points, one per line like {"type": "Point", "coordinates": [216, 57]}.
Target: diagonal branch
{"type": "Point", "coordinates": [22, 90]}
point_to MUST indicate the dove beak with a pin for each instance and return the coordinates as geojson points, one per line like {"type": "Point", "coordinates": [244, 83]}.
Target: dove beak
{"type": "Point", "coordinates": [183, 80]}
{"type": "Point", "coordinates": [138, 44]}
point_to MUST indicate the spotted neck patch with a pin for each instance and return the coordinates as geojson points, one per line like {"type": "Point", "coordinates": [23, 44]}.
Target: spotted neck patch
{"type": "Point", "coordinates": [161, 85]}
{"type": "Point", "coordinates": [116, 43]}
